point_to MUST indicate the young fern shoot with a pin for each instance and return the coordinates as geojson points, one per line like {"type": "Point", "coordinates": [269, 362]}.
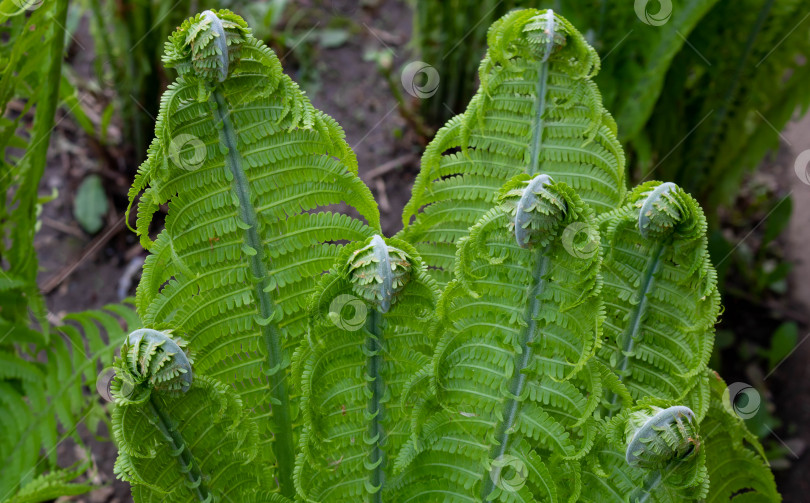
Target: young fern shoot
{"type": "Point", "coordinates": [512, 375]}
{"type": "Point", "coordinates": [537, 111]}
{"type": "Point", "coordinates": [247, 167]}
{"type": "Point", "coordinates": [368, 336]}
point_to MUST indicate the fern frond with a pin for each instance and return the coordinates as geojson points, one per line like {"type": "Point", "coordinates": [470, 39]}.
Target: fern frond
{"type": "Point", "coordinates": [660, 293]}
{"type": "Point", "coordinates": [248, 168]}
{"type": "Point", "coordinates": [368, 337]}
{"type": "Point", "coordinates": [738, 469]}
{"type": "Point", "coordinates": [651, 452]}
{"type": "Point", "coordinates": [40, 399]}
{"type": "Point", "coordinates": [53, 485]}
{"type": "Point", "coordinates": [537, 111]}
{"type": "Point", "coordinates": [180, 437]}
{"type": "Point", "coordinates": [512, 370]}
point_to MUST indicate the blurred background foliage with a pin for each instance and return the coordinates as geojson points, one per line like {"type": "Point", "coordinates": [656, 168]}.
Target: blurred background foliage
{"type": "Point", "coordinates": [700, 89]}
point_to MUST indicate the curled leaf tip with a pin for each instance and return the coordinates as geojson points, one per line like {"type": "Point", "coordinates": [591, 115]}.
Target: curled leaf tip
{"type": "Point", "coordinates": [660, 211]}
{"type": "Point", "coordinates": [150, 359]}
{"type": "Point", "coordinates": [538, 212]}
{"type": "Point", "coordinates": [207, 46]}
{"type": "Point", "coordinates": [657, 436]}
{"type": "Point", "coordinates": [378, 272]}
{"type": "Point", "coordinates": [545, 34]}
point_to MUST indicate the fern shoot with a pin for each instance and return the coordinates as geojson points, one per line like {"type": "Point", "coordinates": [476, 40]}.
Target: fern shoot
{"type": "Point", "coordinates": [660, 292]}
{"type": "Point", "coordinates": [368, 337]}
{"type": "Point", "coordinates": [248, 168]}
{"type": "Point", "coordinates": [537, 111]}
{"type": "Point", "coordinates": [511, 376]}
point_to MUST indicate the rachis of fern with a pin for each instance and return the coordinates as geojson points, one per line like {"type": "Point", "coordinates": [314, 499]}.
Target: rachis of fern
{"type": "Point", "coordinates": [512, 376]}
{"type": "Point", "coordinates": [247, 167]}
{"type": "Point", "coordinates": [357, 366]}
{"type": "Point", "coordinates": [537, 111]}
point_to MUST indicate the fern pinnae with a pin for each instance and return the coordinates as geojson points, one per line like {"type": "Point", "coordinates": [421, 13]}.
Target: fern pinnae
{"type": "Point", "coordinates": [662, 300]}
{"type": "Point", "coordinates": [247, 165]}
{"type": "Point", "coordinates": [366, 339]}
{"type": "Point", "coordinates": [509, 374]}
{"type": "Point", "coordinates": [537, 111]}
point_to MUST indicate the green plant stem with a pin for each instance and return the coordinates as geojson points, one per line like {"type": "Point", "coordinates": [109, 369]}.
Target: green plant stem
{"type": "Point", "coordinates": [178, 447]}
{"type": "Point", "coordinates": [538, 123]}
{"type": "Point", "coordinates": [376, 387]}
{"type": "Point", "coordinates": [522, 362]}
{"type": "Point", "coordinates": [637, 314]}
{"type": "Point", "coordinates": [276, 371]}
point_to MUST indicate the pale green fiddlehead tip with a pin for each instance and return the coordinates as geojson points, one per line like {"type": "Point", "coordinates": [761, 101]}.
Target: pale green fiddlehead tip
{"type": "Point", "coordinates": [149, 360]}
{"type": "Point", "coordinates": [378, 272]}
{"type": "Point", "coordinates": [545, 34]}
{"type": "Point", "coordinates": [660, 211]}
{"type": "Point", "coordinates": [536, 209]}
{"type": "Point", "coordinates": [207, 46]}
{"type": "Point", "coordinates": [657, 436]}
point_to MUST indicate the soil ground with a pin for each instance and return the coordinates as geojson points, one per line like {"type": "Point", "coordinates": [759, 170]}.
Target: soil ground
{"type": "Point", "coordinates": [357, 96]}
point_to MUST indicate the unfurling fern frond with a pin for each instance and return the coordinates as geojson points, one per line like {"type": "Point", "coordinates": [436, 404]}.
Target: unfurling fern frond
{"type": "Point", "coordinates": [368, 337]}
{"type": "Point", "coordinates": [651, 452]}
{"type": "Point", "coordinates": [43, 402]}
{"type": "Point", "coordinates": [247, 167]}
{"type": "Point", "coordinates": [738, 468]}
{"type": "Point", "coordinates": [537, 111]}
{"type": "Point", "coordinates": [180, 437]}
{"type": "Point", "coordinates": [660, 294]}
{"type": "Point", "coordinates": [512, 373]}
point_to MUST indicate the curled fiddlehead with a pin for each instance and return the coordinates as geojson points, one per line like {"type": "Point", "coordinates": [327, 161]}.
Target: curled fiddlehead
{"type": "Point", "coordinates": [181, 437]}
{"type": "Point", "coordinates": [150, 359]}
{"type": "Point", "coordinates": [658, 436]}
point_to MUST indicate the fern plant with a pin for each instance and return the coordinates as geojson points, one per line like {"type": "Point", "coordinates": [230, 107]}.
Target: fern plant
{"type": "Point", "coordinates": [368, 336]}
{"type": "Point", "coordinates": [564, 361]}
{"type": "Point", "coordinates": [248, 168]}
{"type": "Point", "coordinates": [537, 111]}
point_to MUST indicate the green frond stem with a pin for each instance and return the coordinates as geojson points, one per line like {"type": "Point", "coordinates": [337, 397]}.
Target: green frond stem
{"type": "Point", "coordinates": [283, 436]}
{"type": "Point", "coordinates": [376, 388]}
{"type": "Point", "coordinates": [632, 332]}
{"type": "Point", "coordinates": [178, 448]}
{"type": "Point", "coordinates": [523, 360]}
{"type": "Point", "coordinates": [549, 30]}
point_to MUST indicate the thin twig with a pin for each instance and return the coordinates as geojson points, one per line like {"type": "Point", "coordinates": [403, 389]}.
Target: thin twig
{"type": "Point", "coordinates": [391, 165]}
